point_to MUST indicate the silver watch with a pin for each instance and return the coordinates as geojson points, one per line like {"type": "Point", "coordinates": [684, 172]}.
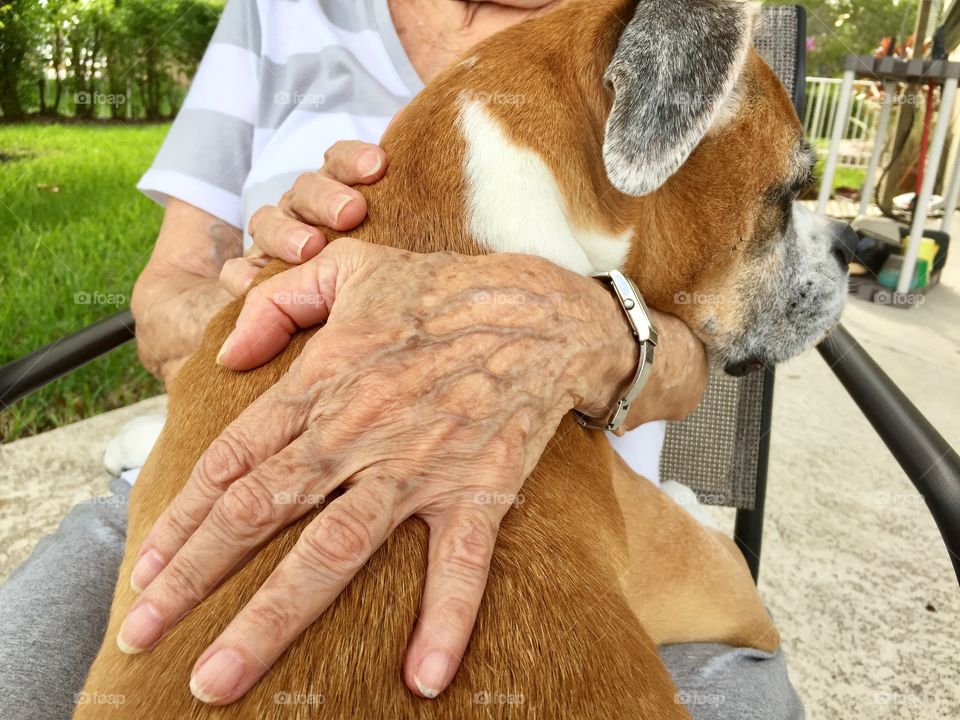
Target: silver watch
{"type": "Point", "coordinates": [646, 333]}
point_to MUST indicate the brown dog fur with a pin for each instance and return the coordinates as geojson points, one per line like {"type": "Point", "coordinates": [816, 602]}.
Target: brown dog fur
{"type": "Point", "coordinates": [596, 567]}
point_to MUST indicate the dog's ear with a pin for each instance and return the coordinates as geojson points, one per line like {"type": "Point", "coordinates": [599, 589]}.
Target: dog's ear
{"type": "Point", "coordinates": [674, 68]}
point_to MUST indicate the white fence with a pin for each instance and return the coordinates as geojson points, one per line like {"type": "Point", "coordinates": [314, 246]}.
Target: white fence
{"type": "Point", "coordinates": [823, 94]}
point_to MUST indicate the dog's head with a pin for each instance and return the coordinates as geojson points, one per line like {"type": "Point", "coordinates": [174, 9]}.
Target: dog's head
{"type": "Point", "coordinates": [701, 130]}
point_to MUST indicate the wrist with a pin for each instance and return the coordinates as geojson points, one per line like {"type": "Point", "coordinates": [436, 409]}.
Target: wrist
{"type": "Point", "coordinates": [680, 375]}
{"type": "Point", "coordinates": [676, 382]}
{"type": "Point", "coordinates": [612, 352]}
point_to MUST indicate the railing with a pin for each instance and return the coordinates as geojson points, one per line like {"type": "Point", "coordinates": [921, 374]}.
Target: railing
{"type": "Point", "coordinates": [823, 94]}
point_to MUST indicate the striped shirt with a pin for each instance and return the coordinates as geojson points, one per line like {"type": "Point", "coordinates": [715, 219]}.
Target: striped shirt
{"type": "Point", "coordinates": [282, 81]}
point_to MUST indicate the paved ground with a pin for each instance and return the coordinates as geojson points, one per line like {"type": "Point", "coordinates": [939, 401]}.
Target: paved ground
{"type": "Point", "coordinates": [853, 568]}
{"type": "Point", "coordinates": [42, 477]}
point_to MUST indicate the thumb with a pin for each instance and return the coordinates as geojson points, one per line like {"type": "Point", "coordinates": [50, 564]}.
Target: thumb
{"type": "Point", "coordinates": [296, 299]}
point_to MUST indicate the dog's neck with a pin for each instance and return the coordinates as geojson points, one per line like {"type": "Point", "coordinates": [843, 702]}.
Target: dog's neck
{"type": "Point", "coordinates": [536, 182]}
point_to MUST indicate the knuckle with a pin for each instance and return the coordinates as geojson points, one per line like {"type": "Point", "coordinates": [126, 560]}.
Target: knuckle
{"type": "Point", "coordinates": [456, 611]}
{"type": "Point", "coordinates": [270, 619]}
{"type": "Point", "coordinates": [334, 151]}
{"type": "Point", "coordinates": [468, 557]}
{"type": "Point", "coordinates": [258, 293]}
{"type": "Point", "coordinates": [257, 219]}
{"type": "Point", "coordinates": [230, 269]}
{"type": "Point", "coordinates": [286, 199]}
{"type": "Point", "coordinates": [181, 520]}
{"type": "Point", "coordinates": [340, 541]}
{"type": "Point", "coordinates": [350, 245]}
{"type": "Point", "coordinates": [303, 180]}
{"type": "Point", "coordinates": [222, 463]}
{"type": "Point", "coordinates": [246, 510]}
{"type": "Point", "coordinates": [183, 579]}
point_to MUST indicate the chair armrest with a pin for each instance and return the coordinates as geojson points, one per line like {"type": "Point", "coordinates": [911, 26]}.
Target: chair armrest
{"type": "Point", "coordinates": [31, 372]}
{"type": "Point", "coordinates": [927, 459]}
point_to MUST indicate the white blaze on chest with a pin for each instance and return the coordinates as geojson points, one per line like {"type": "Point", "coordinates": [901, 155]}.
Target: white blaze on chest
{"type": "Point", "coordinates": [514, 204]}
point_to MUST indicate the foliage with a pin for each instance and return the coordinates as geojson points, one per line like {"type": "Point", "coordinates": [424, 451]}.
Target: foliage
{"type": "Point", "coordinates": [100, 58]}
{"type": "Point", "coordinates": [836, 28]}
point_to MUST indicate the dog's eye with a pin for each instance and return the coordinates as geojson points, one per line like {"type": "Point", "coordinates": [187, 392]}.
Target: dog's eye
{"type": "Point", "coordinates": [784, 195]}
{"type": "Point", "coordinates": [781, 196]}
{"type": "Point", "coordinates": [802, 185]}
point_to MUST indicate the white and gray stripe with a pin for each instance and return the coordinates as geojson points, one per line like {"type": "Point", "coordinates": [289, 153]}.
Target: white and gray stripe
{"type": "Point", "coordinates": [281, 81]}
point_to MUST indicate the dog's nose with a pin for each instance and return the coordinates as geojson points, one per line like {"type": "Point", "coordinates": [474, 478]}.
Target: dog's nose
{"type": "Point", "coordinates": [845, 245]}
{"type": "Point", "coordinates": [744, 367]}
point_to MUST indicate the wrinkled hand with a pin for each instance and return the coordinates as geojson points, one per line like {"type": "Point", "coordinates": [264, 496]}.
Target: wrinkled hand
{"type": "Point", "coordinates": [432, 390]}
{"type": "Point", "coordinates": [287, 230]}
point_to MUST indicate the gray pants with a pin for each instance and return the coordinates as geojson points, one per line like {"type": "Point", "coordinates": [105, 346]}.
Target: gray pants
{"type": "Point", "coordinates": [54, 610]}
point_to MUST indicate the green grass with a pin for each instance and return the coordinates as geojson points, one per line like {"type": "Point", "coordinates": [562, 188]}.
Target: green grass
{"type": "Point", "coordinates": [845, 177]}
{"type": "Point", "coordinates": [849, 178]}
{"type": "Point", "coordinates": [73, 232]}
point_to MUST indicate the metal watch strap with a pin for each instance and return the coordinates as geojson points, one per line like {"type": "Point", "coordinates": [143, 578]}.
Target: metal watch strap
{"type": "Point", "coordinates": [643, 329]}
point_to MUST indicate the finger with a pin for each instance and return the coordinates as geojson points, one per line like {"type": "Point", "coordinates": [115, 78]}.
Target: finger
{"type": "Point", "coordinates": [249, 513]}
{"type": "Point", "coordinates": [352, 162]}
{"type": "Point", "coordinates": [461, 546]}
{"type": "Point", "coordinates": [298, 298]}
{"type": "Point", "coordinates": [237, 275]}
{"type": "Point", "coordinates": [326, 557]}
{"type": "Point", "coordinates": [261, 431]}
{"type": "Point", "coordinates": [320, 200]}
{"type": "Point", "coordinates": [281, 235]}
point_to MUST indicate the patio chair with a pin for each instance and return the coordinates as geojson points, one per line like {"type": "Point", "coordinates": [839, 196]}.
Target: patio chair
{"type": "Point", "coordinates": [721, 451]}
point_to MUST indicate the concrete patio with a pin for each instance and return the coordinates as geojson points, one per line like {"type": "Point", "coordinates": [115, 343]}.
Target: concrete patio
{"type": "Point", "coordinates": [853, 567]}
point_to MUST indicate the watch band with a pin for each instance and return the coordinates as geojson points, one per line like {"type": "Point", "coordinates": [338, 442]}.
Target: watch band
{"type": "Point", "coordinates": [646, 334]}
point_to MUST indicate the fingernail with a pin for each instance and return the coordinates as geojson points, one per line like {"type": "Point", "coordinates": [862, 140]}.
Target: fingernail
{"type": "Point", "coordinates": [224, 348]}
{"type": "Point", "coordinates": [298, 242]}
{"type": "Point", "coordinates": [369, 163]}
{"type": "Point", "coordinates": [142, 628]}
{"type": "Point", "coordinates": [218, 677]}
{"type": "Point", "coordinates": [340, 202]}
{"type": "Point", "coordinates": [432, 674]}
{"type": "Point", "coordinates": [146, 569]}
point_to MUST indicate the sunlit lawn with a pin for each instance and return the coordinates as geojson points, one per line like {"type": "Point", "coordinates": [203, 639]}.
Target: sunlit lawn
{"type": "Point", "coordinates": [74, 234]}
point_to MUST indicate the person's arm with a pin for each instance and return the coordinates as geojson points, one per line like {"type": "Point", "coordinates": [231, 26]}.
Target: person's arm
{"type": "Point", "coordinates": [196, 267]}
{"type": "Point", "coordinates": [179, 291]}
{"type": "Point", "coordinates": [680, 371]}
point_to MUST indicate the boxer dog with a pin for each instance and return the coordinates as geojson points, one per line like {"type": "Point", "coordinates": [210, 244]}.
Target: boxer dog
{"type": "Point", "coordinates": [651, 138]}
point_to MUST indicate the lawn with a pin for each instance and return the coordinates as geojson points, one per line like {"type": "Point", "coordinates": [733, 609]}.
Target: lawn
{"type": "Point", "coordinates": [74, 234]}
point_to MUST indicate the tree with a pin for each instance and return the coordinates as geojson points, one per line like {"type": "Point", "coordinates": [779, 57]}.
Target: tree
{"type": "Point", "coordinates": [837, 28]}
{"type": "Point", "coordinates": [86, 30]}
{"type": "Point", "coordinates": [101, 49]}
{"type": "Point", "coordinates": [19, 21]}
{"type": "Point", "coordinates": [162, 37]}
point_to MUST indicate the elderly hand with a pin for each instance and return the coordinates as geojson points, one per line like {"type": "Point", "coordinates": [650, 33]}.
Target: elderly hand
{"type": "Point", "coordinates": [287, 230]}
{"type": "Point", "coordinates": [432, 390]}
